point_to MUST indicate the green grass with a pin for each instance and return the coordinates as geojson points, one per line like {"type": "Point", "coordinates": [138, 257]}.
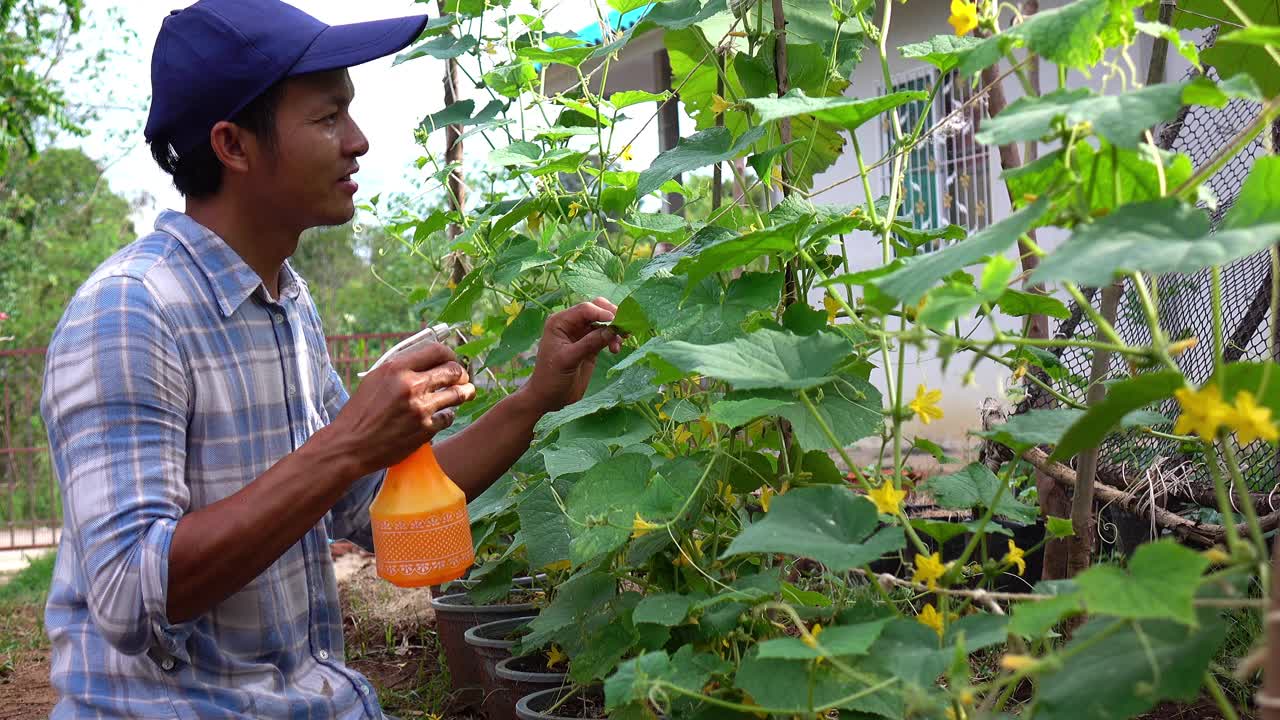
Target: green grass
{"type": "Point", "coordinates": [31, 584]}
{"type": "Point", "coordinates": [22, 610]}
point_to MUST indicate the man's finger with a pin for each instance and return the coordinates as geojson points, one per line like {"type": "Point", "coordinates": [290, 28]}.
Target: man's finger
{"type": "Point", "coordinates": [441, 420]}
{"type": "Point", "coordinates": [577, 320]}
{"type": "Point", "coordinates": [448, 397]}
{"type": "Point", "coordinates": [588, 346]}
{"type": "Point", "coordinates": [604, 303]}
{"type": "Point", "coordinates": [426, 357]}
{"type": "Point", "coordinates": [450, 373]}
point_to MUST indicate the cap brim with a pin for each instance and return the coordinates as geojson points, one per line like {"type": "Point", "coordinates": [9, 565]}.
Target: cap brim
{"type": "Point", "coordinates": [341, 46]}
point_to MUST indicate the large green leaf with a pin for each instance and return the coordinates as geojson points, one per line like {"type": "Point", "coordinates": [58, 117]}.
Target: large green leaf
{"type": "Point", "coordinates": [910, 282]}
{"type": "Point", "coordinates": [635, 383]}
{"type": "Point", "coordinates": [459, 114]}
{"type": "Point", "coordinates": [1153, 237]}
{"type": "Point", "coordinates": [696, 151]}
{"type": "Point", "coordinates": [830, 524]}
{"type": "Point", "coordinates": [1128, 671]}
{"type": "Point", "coordinates": [732, 252]}
{"type": "Point", "coordinates": [443, 47]}
{"type": "Point", "coordinates": [1121, 119]}
{"type": "Point", "coordinates": [597, 272]}
{"type": "Point", "coordinates": [764, 359]}
{"type": "Point", "coordinates": [1262, 379]}
{"type": "Point", "coordinates": [685, 669]}
{"type": "Point", "coordinates": [1160, 584]}
{"type": "Point", "coordinates": [1034, 618]}
{"type": "Point", "coordinates": [574, 456]}
{"type": "Point", "coordinates": [941, 51]}
{"type": "Point", "coordinates": [544, 524]}
{"type": "Point", "coordinates": [802, 686]}
{"type": "Point", "coordinates": [1258, 202]}
{"type": "Point", "coordinates": [1233, 59]}
{"type": "Point", "coordinates": [668, 609]}
{"type": "Point", "coordinates": [1037, 427]}
{"type": "Point", "coordinates": [559, 50]}
{"type": "Point", "coordinates": [1122, 398]}
{"type": "Point", "coordinates": [834, 641]}
{"type": "Point", "coordinates": [844, 112]}
{"type": "Point", "coordinates": [601, 505]}
{"type": "Point", "coordinates": [518, 337]}
{"type": "Point", "coordinates": [575, 599]}
{"type": "Point", "coordinates": [850, 406]}
{"type": "Point", "coordinates": [976, 486]}
{"type": "Point", "coordinates": [1075, 35]}
{"type": "Point", "coordinates": [1112, 176]}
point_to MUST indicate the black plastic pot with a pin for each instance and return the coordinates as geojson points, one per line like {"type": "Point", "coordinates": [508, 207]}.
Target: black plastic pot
{"type": "Point", "coordinates": [537, 705]}
{"type": "Point", "coordinates": [490, 643]}
{"type": "Point", "coordinates": [517, 677]}
{"type": "Point", "coordinates": [455, 614]}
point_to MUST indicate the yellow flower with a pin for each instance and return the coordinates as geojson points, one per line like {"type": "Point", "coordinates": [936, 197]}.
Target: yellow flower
{"type": "Point", "coordinates": [1017, 556]}
{"type": "Point", "coordinates": [1018, 663]}
{"type": "Point", "coordinates": [512, 309]}
{"type": "Point", "coordinates": [929, 570]}
{"type": "Point", "coordinates": [966, 697]}
{"type": "Point", "coordinates": [833, 308]}
{"type": "Point", "coordinates": [719, 105]}
{"type": "Point", "coordinates": [766, 497]}
{"type": "Point", "coordinates": [626, 154]}
{"type": "Point", "coordinates": [1216, 555]}
{"type": "Point", "coordinates": [556, 656]}
{"type": "Point", "coordinates": [925, 405]}
{"type": "Point", "coordinates": [682, 435]}
{"type": "Point", "coordinates": [574, 209]}
{"type": "Point", "coordinates": [887, 498]}
{"type": "Point", "coordinates": [641, 527]}
{"type": "Point", "coordinates": [557, 565]}
{"type": "Point", "coordinates": [534, 221]}
{"type": "Point", "coordinates": [930, 617]}
{"type": "Point", "coordinates": [812, 638]}
{"type": "Point", "coordinates": [490, 48]}
{"type": "Point", "coordinates": [1182, 346]}
{"type": "Point", "coordinates": [1203, 411]}
{"type": "Point", "coordinates": [964, 16]}
{"type": "Point", "coordinates": [451, 284]}
{"type": "Point", "coordinates": [1251, 421]}
{"type": "Point", "coordinates": [642, 250]}
{"type": "Point", "coordinates": [477, 329]}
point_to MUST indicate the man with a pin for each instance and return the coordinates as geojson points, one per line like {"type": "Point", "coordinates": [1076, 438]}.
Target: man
{"type": "Point", "coordinates": [205, 447]}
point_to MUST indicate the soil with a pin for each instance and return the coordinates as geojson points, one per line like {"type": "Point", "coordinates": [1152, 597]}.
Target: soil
{"type": "Point", "coordinates": [25, 691]}
{"type": "Point", "coordinates": [587, 707]}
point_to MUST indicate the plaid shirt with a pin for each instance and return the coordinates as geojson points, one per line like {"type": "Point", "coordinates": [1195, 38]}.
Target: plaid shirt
{"type": "Point", "coordinates": [172, 381]}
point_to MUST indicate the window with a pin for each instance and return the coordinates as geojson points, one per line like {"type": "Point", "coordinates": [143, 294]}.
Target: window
{"type": "Point", "coordinates": [947, 178]}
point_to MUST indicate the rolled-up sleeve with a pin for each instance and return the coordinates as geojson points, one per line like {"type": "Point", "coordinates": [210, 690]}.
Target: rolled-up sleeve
{"type": "Point", "coordinates": [116, 401]}
{"type": "Point", "coordinates": [351, 514]}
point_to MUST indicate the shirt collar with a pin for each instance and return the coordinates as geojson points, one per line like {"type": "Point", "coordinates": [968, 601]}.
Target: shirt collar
{"type": "Point", "coordinates": [231, 278]}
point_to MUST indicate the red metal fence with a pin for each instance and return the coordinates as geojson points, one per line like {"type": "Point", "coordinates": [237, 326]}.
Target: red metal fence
{"type": "Point", "coordinates": [30, 506]}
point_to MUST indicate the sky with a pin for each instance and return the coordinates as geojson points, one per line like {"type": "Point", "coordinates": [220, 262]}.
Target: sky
{"type": "Point", "coordinates": [389, 103]}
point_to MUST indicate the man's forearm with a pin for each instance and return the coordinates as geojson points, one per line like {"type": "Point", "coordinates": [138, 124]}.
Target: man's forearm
{"type": "Point", "coordinates": [476, 457]}
{"type": "Point", "coordinates": [219, 549]}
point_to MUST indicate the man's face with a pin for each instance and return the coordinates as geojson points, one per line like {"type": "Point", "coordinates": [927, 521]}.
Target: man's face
{"type": "Point", "coordinates": [307, 178]}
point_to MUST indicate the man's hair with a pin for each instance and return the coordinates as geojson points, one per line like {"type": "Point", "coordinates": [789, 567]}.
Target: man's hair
{"type": "Point", "coordinates": [198, 172]}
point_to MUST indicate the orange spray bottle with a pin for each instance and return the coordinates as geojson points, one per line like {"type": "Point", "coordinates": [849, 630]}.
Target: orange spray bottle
{"type": "Point", "coordinates": [421, 530]}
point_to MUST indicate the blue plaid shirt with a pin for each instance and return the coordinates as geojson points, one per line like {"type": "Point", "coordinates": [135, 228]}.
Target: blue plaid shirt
{"type": "Point", "coordinates": [172, 381]}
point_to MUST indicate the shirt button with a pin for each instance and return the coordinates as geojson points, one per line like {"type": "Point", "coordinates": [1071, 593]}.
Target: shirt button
{"type": "Point", "coordinates": [167, 663]}
{"type": "Point", "coordinates": [279, 319]}
{"type": "Point", "coordinates": [364, 689]}
{"type": "Point", "coordinates": [324, 654]}
{"type": "Point", "coordinates": [293, 390]}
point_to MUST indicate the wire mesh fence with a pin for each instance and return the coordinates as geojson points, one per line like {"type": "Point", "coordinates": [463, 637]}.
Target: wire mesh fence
{"type": "Point", "coordinates": [1184, 306]}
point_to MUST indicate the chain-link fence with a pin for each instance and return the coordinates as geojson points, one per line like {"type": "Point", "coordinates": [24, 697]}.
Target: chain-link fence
{"type": "Point", "coordinates": [1184, 305]}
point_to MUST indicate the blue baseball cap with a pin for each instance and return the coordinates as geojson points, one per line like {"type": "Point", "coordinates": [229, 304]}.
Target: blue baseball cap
{"type": "Point", "coordinates": [214, 57]}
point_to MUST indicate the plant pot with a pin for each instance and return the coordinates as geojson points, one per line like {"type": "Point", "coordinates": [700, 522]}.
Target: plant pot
{"type": "Point", "coordinates": [581, 706]}
{"type": "Point", "coordinates": [517, 677]}
{"type": "Point", "coordinates": [490, 643]}
{"type": "Point", "coordinates": [454, 616]}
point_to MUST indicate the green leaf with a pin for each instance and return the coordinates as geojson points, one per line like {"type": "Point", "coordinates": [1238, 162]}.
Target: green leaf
{"type": "Point", "coordinates": [599, 506]}
{"type": "Point", "coordinates": [668, 609]}
{"type": "Point", "coordinates": [732, 252]}
{"type": "Point", "coordinates": [1059, 528]}
{"type": "Point", "coordinates": [1075, 35]}
{"type": "Point", "coordinates": [597, 272]}
{"type": "Point", "coordinates": [511, 79]}
{"type": "Point", "coordinates": [1121, 399]}
{"type": "Point", "coordinates": [1037, 427]}
{"type": "Point", "coordinates": [443, 47]}
{"type": "Point", "coordinates": [834, 641]}
{"type": "Point", "coordinates": [1161, 584]}
{"type": "Point", "coordinates": [518, 258]}
{"type": "Point", "coordinates": [943, 51]}
{"type": "Point", "coordinates": [1257, 203]}
{"type": "Point", "coordinates": [518, 337]}
{"type": "Point", "coordinates": [577, 598]}
{"type": "Point", "coordinates": [1033, 618]}
{"type": "Point", "coordinates": [735, 413]}
{"type": "Point", "coordinates": [944, 531]}
{"type": "Point", "coordinates": [830, 524]}
{"type": "Point", "coordinates": [1236, 59]}
{"type": "Point", "coordinates": [636, 677]}
{"type": "Point", "coordinates": [560, 50]}
{"type": "Point", "coordinates": [762, 162]}
{"type": "Point", "coordinates": [763, 359]}
{"type": "Point", "coordinates": [544, 524]}
{"type": "Point", "coordinates": [976, 486]}
{"type": "Point", "coordinates": [659, 225]}
{"type": "Point", "coordinates": [979, 631]}
{"type": "Point", "coordinates": [1018, 303]}
{"type": "Point", "coordinates": [788, 687]}
{"type": "Point", "coordinates": [1110, 175]}
{"type": "Point", "coordinates": [627, 98]}
{"type": "Point", "coordinates": [696, 151]}
{"type": "Point", "coordinates": [1153, 237]}
{"type": "Point", "coordinates": [635, 383]}
{"type": "Point", "coordinates": [574, 456]}
{"type": "Point", "coordinates": [1121, 119]}
{"type": "Point", "coordinates": [850, 406]}
{"type": "Point", "coordinates": [1186, 48]}
{"type": "Point", "coordinates": [464, 297]}
{"type": "Point", "coordinates": [1255, 35]}
{"type": "Point", "coordinates": [844, 112]}
{"type": "Point", "coordinates": [1130, 670]}
{"type": "Point", "coordinates": [459, 114]}
{"type": "Point", "coordinates": [910, 282]}
{"type": "Point", "coordinates": [1262, 379]}
{"type": "Point", "coordinates": [517, 154]}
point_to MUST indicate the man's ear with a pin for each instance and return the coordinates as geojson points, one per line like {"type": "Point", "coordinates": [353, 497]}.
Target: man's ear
{"type": "Point", "coordinates": [228, 142]}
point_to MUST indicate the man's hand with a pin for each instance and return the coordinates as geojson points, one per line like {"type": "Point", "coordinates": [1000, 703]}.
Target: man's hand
{"type": "Point", "coordinates": [567, 354]}
{"type": "Point", "coordinates": [400, 406]}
